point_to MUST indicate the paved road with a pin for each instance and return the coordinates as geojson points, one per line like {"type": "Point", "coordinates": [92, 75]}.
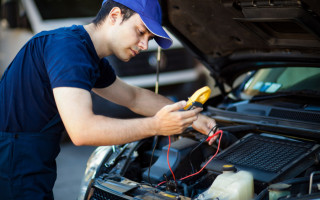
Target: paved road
{"type": "Point", "coordinates": [71, 164]}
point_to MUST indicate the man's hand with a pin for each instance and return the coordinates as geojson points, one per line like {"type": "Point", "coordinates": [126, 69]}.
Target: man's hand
{"type": "Point", "coordinates": [204, 124]}
{"type": "Point", "coordinates": [170, 120]}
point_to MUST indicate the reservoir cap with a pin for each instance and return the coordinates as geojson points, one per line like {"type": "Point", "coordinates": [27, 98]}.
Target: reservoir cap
{"type": "Point", "coordinates": [229, 168]}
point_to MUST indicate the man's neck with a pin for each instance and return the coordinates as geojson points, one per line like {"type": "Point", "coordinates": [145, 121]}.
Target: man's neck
{"type": "Point", "coordinates": [97, 39]}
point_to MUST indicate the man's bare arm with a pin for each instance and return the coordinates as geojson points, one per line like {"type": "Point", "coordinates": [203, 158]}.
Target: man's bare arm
{"type": "Point", "coordinates": [86, 128]}
{"type": "Point", "coordinates": [147, 103]}
{"type": "Point", "coordinates": [139, 100]}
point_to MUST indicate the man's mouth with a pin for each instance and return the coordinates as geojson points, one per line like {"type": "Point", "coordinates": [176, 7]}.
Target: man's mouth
{"type": "Point", "coordinates": [135, 50]}
{"type": "Point", "coordinates": [134, 53]}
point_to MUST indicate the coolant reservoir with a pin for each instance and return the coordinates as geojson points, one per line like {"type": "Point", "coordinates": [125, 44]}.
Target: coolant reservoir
{"type": "Point", "coordinates": [231, 185]}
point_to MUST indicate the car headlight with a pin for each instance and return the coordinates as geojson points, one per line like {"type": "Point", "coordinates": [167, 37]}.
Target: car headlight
{"type": "Point", "coordinates": [93, 164]}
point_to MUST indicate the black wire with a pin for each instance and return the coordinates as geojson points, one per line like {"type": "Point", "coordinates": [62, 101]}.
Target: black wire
{"type": "Point", "coordinates": [154, 148]}
{"type": "Point", "coordinates": [214, 129]}
{"type": "Point", "coordinates": [192, 168]}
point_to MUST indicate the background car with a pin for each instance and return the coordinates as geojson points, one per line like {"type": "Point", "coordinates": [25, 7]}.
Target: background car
{"type": "Point", "coordinates": [264, 58]}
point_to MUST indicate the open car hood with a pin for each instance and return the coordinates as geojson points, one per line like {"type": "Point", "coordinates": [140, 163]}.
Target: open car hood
{"type": "Point", "coordinates": [268, 126]}
{"type": "Point", "coordinates": [254, 33]}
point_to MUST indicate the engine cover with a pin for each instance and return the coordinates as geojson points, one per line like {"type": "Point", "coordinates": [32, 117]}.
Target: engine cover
{"type": "Point", "coordinates": [178, 158]}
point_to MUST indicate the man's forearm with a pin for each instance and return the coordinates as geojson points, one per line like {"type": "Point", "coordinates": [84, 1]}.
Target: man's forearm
{"type": "Point", "coordinates": [148, 103]}
{"type": "Point", "coordinates": [102, 131]}
{"type": "Point", "coordinates": [86, 128]}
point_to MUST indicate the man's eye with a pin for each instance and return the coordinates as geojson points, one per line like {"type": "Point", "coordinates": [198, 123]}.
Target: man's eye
{"type": "Point", "coordinates": [141, 32]}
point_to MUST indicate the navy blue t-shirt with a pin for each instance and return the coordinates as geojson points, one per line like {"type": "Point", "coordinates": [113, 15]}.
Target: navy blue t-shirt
{"type": "Point", "coordinates": [63, 57]}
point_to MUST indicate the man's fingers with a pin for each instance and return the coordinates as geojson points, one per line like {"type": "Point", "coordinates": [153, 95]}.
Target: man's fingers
{"type": "Point", "coordinates": [176, 106]}
{"type": "Point", "coordinates": [171, 120]}
{"type": "Point", "coordinates": [212, 140]}
{"type": "Point", "coordinates": [189, 121]}
{"type": "Point", "coordinates": [193, 112]}
{"type": "Point", "coordinates": [188, 117]}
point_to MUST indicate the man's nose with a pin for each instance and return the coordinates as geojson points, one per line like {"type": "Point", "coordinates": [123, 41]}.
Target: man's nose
{"type": "Point", "coordinates": [143, 44]}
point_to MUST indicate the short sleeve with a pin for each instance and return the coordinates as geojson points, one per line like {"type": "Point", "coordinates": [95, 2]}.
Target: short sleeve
{"type": "Point", "coordinates": [107, 74]}
{"type": "Point", "coordinates": [70, 63]}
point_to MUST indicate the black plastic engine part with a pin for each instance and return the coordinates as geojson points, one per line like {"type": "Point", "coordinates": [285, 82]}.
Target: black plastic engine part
{"type": "Point", "coordinates": [268, 159]}
{"type": "Point", "coordinates": [178, 158]}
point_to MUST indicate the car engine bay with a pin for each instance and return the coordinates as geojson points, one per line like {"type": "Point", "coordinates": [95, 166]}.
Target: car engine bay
{"type": "Point", "coordinates": [261, 139]}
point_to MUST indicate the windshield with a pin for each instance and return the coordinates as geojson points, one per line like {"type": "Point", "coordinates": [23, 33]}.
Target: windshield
{"type": "Point", "coordinates": [284, 79]}
{"type": "Point", "coordinates": [57, 9]}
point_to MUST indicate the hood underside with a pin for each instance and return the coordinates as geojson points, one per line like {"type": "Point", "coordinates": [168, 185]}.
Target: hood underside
{"type": "Point", "coordinates": [220, 32]}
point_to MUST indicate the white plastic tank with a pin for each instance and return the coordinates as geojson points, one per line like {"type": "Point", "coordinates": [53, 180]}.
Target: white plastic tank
{"type": "Point", "coordinates": [230, 185]}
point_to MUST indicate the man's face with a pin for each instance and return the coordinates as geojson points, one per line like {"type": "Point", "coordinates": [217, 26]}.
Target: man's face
{"type": "Point", "coordinates": [129, 37]}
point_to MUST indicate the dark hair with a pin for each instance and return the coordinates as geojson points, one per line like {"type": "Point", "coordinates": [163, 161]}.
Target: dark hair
{"type": "Point", "coordinates": [107, 7]}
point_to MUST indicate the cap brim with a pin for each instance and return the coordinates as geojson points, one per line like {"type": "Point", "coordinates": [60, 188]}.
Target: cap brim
{"type": "Point", "coordinates": [161, 37]}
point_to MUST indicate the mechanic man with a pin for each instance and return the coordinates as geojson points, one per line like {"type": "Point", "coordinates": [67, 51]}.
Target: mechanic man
{"type": "Point", "coordinates": [52, 76]}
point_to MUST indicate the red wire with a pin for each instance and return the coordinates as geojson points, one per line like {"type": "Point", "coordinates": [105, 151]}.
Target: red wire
{"type": "Point", "coordinates": [174, 178]}
{"type": "Point", "coordinates": [218, 132]}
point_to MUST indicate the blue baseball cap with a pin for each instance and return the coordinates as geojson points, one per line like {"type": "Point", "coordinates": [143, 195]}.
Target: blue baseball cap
{"type": "Point", "coordinates": [150, 13]}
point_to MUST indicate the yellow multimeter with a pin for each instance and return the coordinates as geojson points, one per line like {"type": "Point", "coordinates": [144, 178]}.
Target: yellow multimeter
{"type": "Point", "coordinates": [198, 98]}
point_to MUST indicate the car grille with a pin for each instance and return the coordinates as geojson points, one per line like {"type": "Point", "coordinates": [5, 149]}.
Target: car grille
{"type": "Point", "coordinates": [266, 158]}
{"type": "Point", "coordinates": [99, 194]}
{"type": "Point", "coordinates": [265, 154]}
{"type": "Point", "coordinates": [295, 115]}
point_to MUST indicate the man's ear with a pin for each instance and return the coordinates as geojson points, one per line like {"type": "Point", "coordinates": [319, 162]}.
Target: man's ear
{"type": "Point", "coordinates": [114, 15]}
